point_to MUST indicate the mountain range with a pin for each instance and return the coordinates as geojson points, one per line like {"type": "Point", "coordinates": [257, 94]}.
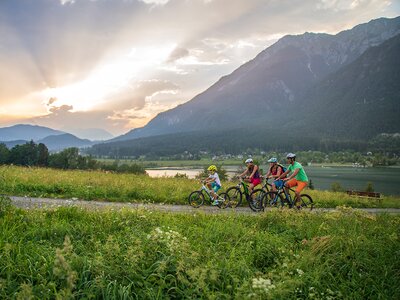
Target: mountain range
{"type": "Point", "coordinates": [299, 83]}
{"type": "Point", "coordinates": [308, 91]}
{"type": "Point", "coordinates": [26, 132]}
{"type": "Point", "coordinates": [53, 139]}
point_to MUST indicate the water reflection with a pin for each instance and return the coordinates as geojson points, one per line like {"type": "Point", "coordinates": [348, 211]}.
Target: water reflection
{"type": "Point", "coordinates": [384, 180]}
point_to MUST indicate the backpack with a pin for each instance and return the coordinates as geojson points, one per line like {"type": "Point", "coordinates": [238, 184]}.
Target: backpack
{"type": "Point", "coordinates": [283, 168]}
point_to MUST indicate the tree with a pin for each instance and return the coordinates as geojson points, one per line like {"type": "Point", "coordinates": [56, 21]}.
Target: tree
{"type": "Point", "coordinates": [25, 155]}
{"type": "Point", "coordinates": [4, 154]}
{"type": "Point", "coordinates": [66, 159]}
{"type": "Point", "coordinates": [43, 155]}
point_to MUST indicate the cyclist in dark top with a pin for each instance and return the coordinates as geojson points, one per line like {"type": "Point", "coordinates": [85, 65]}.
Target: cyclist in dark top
{"type": "Point", "coordinates": [252, 174]}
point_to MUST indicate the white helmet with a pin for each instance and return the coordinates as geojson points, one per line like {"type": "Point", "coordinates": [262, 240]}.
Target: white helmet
{"type": "Point", "coordinates": [249, 160]}
{"type": "Point", "coordinates": [291, 155]}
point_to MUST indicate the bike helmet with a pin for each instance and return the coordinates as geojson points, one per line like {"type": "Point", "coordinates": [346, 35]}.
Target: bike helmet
{"type": "Point", "coordinates": [273, 160]}
{"type": "Point", "coordinates": [249, 160]}
{"type": "Point", "coordinates": [291, 155]}
{"type": "Point", "coordinates": [212, 168]}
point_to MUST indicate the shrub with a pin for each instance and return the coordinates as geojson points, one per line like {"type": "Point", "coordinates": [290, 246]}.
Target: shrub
{"type": "Point", "coordinates": [336, 187]}
{"type": "Point", "coordinates": [370, 187]}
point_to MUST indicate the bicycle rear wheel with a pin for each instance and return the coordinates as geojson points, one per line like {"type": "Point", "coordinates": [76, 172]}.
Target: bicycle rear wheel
{"type": "Point", "coordinates": [306, 202]}
{"type": "Point", "coordinates": [196, 199]}
{"type": "Point", "coordinates": [273, 200]}
{"type": "Point", "coordinates": [256, 200]}
{"type": "Point", "coordinates": [235, 196]}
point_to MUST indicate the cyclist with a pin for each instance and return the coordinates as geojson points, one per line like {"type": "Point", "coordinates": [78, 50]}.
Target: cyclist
{"type": "Point", "coordinates": [213, 182]}
{"type": "Point", "coordinates": [252, 174]}
{"type": "Point", "coordinates": [275, 171]}
{"type": "Point", "coordinates": [297, 177]}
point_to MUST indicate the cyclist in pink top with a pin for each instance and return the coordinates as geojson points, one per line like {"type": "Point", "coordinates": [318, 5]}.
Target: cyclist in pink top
{"type": "Point", "coordinates": [252, 174]}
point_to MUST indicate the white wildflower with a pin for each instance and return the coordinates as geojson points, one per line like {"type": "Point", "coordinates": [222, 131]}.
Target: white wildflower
{"type": "Point", "coordinates": [262, 284]}
{"type": "Point", "coordinates": [300, 272]}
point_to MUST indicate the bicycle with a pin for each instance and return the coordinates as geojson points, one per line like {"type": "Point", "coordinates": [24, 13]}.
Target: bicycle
{"type": "Point", "coordinates": [282, 197]}
{"type": "Point", "coordinates": [196, 198]}
{"type": "Point", "coordinates": [235, 194]}
{"type": "Point", "coordinates": [260, 193]}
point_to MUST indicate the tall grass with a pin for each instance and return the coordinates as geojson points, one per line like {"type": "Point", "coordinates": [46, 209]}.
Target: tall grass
{"type": "Point", "coordinates": [97, 185]}
{"type": "Point", "coordinates": [137, 254]}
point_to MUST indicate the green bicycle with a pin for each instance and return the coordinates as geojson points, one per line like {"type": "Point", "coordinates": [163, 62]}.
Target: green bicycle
{"type": "Point", "coordinates": [236, 194]}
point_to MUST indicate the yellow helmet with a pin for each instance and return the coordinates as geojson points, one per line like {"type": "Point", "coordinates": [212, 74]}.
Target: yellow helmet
{"type": "Point", "coordinates": [212, 168]}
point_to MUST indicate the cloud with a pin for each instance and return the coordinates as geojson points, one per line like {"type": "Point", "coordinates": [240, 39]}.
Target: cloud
{"type": "Point", "coordinates": [340, 5]}
{"type": "Point", "coordinates": [51, 101]}
{"type": "Point", "coordinates": [104, 55]}
{"type": "Point", "coordinates": [141, 92]}
{"type": "Point", "coordinates": [62, 110]}
{"type": "Point", "coordinates": [63, 2]}
{"type": "Point", "coordinates": [62, 118]}
{"type": "Point", "coordinates": [177, 53]}
{"type": "Point", "coordinates": [155, 2]}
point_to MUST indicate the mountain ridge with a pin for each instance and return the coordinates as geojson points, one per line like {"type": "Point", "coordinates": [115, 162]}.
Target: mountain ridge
{"type": "Point", "coordinates": [53, 139]}
{"type": "Point", "coordinates": [277, 77]}
{"type": "Point", "coordinates": [26, 132]}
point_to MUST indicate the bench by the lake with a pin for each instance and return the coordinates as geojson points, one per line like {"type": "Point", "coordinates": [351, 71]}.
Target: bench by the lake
{"type": "Point", "coordinates": [364, 194]}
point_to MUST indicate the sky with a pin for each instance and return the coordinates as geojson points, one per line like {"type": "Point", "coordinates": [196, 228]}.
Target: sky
{"type": "Point", "coordinates": [116, 64]}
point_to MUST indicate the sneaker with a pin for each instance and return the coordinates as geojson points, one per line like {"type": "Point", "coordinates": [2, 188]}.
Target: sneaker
{"type": "Point", "coordinates": [215, 202]}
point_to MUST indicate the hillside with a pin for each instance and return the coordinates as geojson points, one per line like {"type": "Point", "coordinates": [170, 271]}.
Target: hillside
{"type": "Point", "coordinates": [360, 100]}
{"type": "Point", "coordinates": [234, 141]}
{"type": "Point", "coordinates": [59, 142]}
{"type": "Point", "coordinates": [260, 91]}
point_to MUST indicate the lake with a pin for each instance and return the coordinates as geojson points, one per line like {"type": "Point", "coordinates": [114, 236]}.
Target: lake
{"type": "Point", "coordinates": [384, 180]}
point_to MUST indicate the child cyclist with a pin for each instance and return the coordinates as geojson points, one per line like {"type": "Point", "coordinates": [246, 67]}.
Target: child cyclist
{"type": "Point", "coordinates": [297, 177]}
{"type": "Point", "coordinates": [252, 174]}
{"type": "Point", "coordinates": [274, 172]}
{"type": "Point", "coordinates": [213, 182]}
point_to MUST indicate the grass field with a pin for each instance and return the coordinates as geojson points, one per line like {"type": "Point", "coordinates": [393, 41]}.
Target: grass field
{"type": "Point", "coordinates": [96, 185]}
{"type": "Point", "coordinates": [73, 253]}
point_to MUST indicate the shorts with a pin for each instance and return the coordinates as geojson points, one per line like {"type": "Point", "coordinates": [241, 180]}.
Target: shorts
{"type": "Point", "coordinates": [255, 181]}
{"type": "Point", "coordinates": [294, 182]}
{"type": "Point", "coordinates": [279, 183]}
{"type": "Point", "coordinates": [215, 186]}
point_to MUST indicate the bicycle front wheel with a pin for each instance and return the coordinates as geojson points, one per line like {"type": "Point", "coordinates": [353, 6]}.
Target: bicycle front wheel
{"type": "Point", "coordinates": [306, 202]}
{"type": "Point", "coordinates": [223, 200]}
{"type": "Point", "coordinates": [273, 200]}
{"type": "Point", "coordinates": [256, 200]}
{"type": "Point", "coordinates": [235, 196]}
{"type": "Point", "coordinates": [196, 199]}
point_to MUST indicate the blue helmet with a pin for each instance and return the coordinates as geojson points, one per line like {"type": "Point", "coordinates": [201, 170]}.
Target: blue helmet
{"type": "Point", "coordinates": [273, 160]}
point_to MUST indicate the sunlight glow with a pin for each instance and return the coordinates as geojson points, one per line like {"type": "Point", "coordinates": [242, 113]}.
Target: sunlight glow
{"type": "Point", "coordinates": [109, 78]}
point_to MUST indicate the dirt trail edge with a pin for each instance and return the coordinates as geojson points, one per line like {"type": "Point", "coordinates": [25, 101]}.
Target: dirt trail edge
{"type": "Point", "coordinates": [29, 202]}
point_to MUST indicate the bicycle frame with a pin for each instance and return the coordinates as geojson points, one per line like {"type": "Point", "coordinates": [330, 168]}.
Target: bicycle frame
{"type": "Point", "coordinates": [244, 185]}
{"type": "Point", "coordinates": [266, 186]}
{"type": "Point", "coordinates": [208, 192]}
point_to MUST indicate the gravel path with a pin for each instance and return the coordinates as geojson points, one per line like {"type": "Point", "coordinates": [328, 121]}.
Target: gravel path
{"type": "Point", "coordinates": [28, 202]}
